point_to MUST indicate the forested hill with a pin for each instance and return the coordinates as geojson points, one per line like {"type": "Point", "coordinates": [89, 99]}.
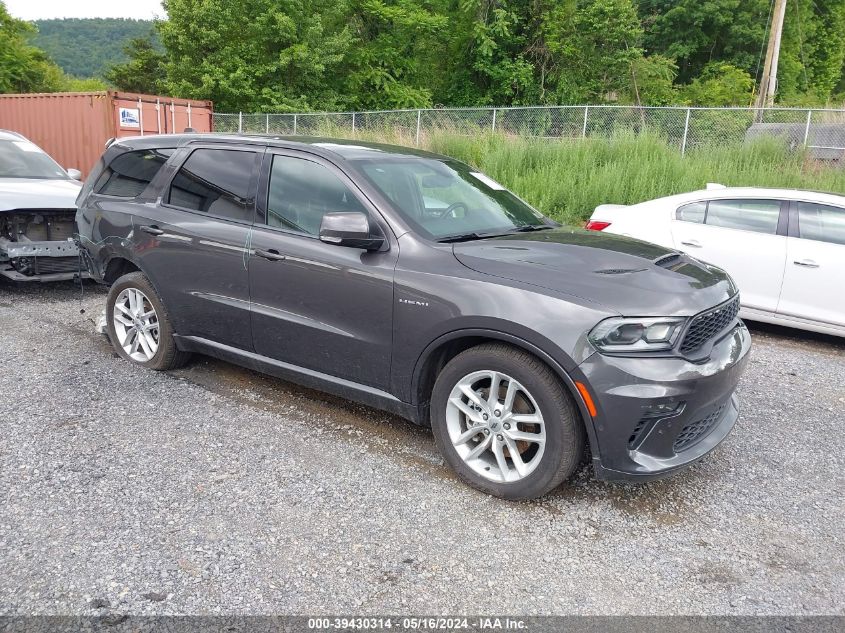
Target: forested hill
{"type": "Point", "coordinates": [87, 47]}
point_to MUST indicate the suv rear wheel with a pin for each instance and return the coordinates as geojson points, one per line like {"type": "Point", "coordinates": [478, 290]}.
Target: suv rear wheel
{"type": "Point", "coordinates": [505, 423]}
{"type": "Point", "coordinates": [138, 325]}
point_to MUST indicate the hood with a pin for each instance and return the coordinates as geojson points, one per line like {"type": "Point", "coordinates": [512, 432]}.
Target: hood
{"type": "Point", "coordinates": [626, 276]}
{"type": "Point", "coordinates": [34, 193]}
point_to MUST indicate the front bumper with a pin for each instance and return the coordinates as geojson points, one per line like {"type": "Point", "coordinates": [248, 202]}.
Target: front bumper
{"type": "Point", "coordinates": [56, 260]}
{"type": "Point", "coordinates": [656, 415]}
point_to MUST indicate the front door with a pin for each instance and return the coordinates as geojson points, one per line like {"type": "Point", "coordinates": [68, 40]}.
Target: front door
{"type": "Point", "coordinates": [814, 283]}
{"type": "Point", "coordinates": [320, 306]}
{"type": "Point", "coordinates": [746, 238]}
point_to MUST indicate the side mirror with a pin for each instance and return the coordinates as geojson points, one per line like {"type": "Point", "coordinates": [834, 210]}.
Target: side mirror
{"type": "Point", "coordinates": [349, 229]}
{"type": "Point", "coordinates": [74, 173]}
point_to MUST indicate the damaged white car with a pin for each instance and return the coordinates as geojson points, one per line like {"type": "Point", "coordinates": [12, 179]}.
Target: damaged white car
{"type": "Point", "coordinates": [37, 213]}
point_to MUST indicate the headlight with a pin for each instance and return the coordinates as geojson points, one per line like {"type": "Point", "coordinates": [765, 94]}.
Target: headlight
{"type": "Point", "coordinates": [620, 334]}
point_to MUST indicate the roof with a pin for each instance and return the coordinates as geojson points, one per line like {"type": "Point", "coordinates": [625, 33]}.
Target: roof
{"type": "Point", "coordinates": [759, 192]}
{"type": "Point", "coordinates": [102, 94]}
{"type": "Point", "coordinates": [343, 148]}
{"type": "Point", "coordinates": [8, 135]}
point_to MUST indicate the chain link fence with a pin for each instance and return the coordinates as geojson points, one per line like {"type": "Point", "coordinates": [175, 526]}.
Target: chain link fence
{"type": "Point", "coordinates": [821, 131]}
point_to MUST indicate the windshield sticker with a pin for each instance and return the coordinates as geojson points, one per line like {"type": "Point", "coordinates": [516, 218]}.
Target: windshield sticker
{"type": "Point", "coordinates": [28, 147]}
{"type": "Point", "coordinates": [488, 181]}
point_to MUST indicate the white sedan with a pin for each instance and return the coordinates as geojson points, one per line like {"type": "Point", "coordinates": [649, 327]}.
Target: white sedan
{"type": "Point", "coordinates": [37, 213]}
{"type": "Point", "coordinates": [785, 249]}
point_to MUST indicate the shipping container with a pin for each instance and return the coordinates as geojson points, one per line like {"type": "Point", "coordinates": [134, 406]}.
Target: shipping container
{"type": "Point", "coordinates": [73, 127]}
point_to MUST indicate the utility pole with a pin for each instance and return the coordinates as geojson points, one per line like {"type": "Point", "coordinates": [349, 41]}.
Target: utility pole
{"type": "Point", "coordinates": [769, 81]}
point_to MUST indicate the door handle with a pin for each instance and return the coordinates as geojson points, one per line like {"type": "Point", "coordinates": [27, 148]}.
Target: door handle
{"type": "Point", "coordinates": [693, 243]}
{"type": "Point", "coordinates": [152, 230]}
{"type": "Point", "coordinates": [273, 255]}
{"type": "Point", "coordinates": [806, 263]}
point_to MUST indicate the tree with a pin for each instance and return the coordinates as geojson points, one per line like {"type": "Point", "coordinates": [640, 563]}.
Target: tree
{"type": "Point", "coordinates": [813, 51]}
{"type": "Point", "coordinates": [560, 51]}
{"type": "Point", "coordinates": [24, 68]}
{"type": "Point", "coordinates": [652, 81]}
{"type": "Point", "coordinates": [83, 84]}
{"type": "Point", "coordinates": [144, 71]}
{"type": "Point", "coordinates": [696, 33]}
{"type": "Point", "coordinates": [286, 55]}
{"type": "Point", "coordinates": [489, 62]}
{"type": "Point", "coordinates": [389, 64]}
{"type": "Point", "coordinates": [598, 48]}
{"type": "Point", "coordinates": [839, 91]}
{"type": "Point", "coordinates": [719, 85]}
{"type": "Point", "coordinates": [827, 63]}
{"type": "Point", "coordinates": [258, 55]}
{"type": "Point", "coordinates": [734, 32]}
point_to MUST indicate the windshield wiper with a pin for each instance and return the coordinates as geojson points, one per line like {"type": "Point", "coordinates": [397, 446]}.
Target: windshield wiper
{"type": "Point", "coordinates": [527, 228]}
{"type": "Point", "coordinates": [467, 237]}
{"type": "Point", "coordinates": [464, 237]}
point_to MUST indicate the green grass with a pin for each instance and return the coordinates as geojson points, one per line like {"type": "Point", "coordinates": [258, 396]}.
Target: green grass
{"type": "Point", "coordinates": [567, 179]}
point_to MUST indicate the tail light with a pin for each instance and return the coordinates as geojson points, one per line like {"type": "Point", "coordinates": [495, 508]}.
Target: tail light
{"type": "Point", "coordinates": [596, 225]}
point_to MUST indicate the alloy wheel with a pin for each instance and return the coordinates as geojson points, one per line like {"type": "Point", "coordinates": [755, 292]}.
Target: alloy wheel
{"type": "Point", "coordinates": [136, 324]}
{"type": "Point", "coordinates": [496, 426]}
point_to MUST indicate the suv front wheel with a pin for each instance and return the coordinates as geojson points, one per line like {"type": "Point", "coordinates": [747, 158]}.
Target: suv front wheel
{"type": "Point", "coordinates": [138, 325]}
{"type": "Point", "coordinates": [505, 423]}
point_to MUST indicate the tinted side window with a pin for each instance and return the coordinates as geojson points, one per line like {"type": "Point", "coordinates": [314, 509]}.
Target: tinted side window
{"type": "Point", "coordinates": [821, 222]}
{"type": "Point", "coordinates": [217, 182]}
{"type": "Point", "coordinates": [302, 191]}
{"type": "Point", "coordinates": [760, 216]}
{"type": "Point", "coordinates": [130, 173]}
{"type": "Point", "coordinates": [693, 212]}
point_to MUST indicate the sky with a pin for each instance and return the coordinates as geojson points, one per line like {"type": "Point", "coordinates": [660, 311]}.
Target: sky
{"type": "Point", "coordinates": [45, 9]}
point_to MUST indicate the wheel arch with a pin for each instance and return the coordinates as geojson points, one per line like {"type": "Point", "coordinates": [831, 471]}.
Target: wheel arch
{"type": "Point", "coordinates": [117, 266]}
{"type": "Point", "coordinates": [440, 351]}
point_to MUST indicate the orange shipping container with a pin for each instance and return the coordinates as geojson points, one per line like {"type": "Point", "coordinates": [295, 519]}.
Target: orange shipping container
{"type": "Point", "coordinates": [73, 127]}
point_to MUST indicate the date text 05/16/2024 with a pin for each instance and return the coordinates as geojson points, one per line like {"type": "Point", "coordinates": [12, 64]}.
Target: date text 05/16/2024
{"type": "Point", "coordinates": [417, 624]}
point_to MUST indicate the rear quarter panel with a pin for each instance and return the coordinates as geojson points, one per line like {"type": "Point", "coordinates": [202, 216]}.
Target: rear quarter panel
{"type": "Point", "coordinates": [648, 221]}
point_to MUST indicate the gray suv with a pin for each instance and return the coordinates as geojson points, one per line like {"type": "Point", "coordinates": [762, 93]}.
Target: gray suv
{"type": "Point", "coordinates": [413, 283]}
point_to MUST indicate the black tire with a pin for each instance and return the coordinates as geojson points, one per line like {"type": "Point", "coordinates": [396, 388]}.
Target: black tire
{"type": "Point", "coordinates": [167, 356]}
{"type": "Point", "coordinates": [565, 435]}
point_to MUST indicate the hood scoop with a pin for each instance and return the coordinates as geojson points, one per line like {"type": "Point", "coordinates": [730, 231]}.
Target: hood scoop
{"type": "Point", "coordinates": [664, 261]}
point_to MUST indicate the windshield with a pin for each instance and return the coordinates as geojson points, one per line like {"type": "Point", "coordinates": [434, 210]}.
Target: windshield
{"type": "Point", "coordinates": [22, 159]}
{"type": "Point", "coordinates": [446, 199]}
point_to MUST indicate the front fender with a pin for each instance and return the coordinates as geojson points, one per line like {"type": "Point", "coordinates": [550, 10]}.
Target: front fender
{"type": "Point", "coordinates": [562, 364]}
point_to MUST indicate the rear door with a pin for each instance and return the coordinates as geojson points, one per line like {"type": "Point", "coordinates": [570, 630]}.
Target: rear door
{"type": "Point", "coordinates": [745, 237]}
{"type": "Point", "coordinates": [192, 241]}
{"type": "Point", "coordinates": [320, 306]}
{"type": "Point", "coordinates": [814, 283]}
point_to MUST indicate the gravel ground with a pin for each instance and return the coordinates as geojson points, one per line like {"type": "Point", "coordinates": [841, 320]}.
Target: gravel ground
{"type": "Point", "coordinates": [215, 490]}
